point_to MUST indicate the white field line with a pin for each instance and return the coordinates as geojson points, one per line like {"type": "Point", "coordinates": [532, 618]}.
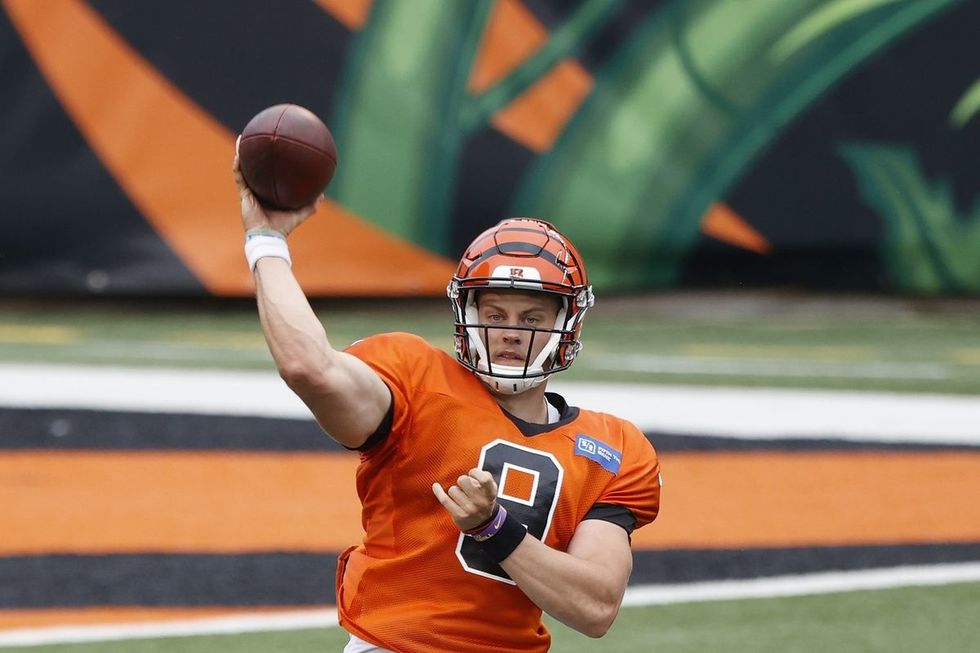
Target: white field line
{"type": "Point", "coordinates": [774, 413]}
{"type": "Point", "coordinates": [805, 584]}
{"type": "Point", "coordinates": [217, 392]}
{"type": "Point", "coordinates": [779, 586]}
{"type": "Point", "coordinates": [713, 411]}
{"type": "Point", "coordinates": [231, 625]}
{"type": "Point", "coordinates": [770, 367]}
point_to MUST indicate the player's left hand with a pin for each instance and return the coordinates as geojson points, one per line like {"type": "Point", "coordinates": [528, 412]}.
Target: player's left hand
{"type": "Point", "coordinates": [471, 501]}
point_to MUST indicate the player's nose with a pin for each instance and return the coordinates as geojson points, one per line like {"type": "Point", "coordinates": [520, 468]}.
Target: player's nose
{"type": "Point", "coordinates": [512, 335]}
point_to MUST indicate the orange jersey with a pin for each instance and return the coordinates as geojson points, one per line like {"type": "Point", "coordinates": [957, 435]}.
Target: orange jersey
{"type": "Point", "coordinates": [417, 584]}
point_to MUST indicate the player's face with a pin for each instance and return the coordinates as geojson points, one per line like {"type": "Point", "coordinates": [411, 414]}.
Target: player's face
{"type": "Point", "coordinates": [516, 308]}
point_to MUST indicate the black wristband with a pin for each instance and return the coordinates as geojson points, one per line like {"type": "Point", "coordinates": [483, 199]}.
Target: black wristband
{"type": "Point", "coordinates": [504, 541]}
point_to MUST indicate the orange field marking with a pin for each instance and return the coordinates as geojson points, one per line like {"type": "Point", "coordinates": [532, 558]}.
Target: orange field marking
{"type": "Point", "coordinates": [219, 502]}
{"type": "Point", "coordinates": [760, 499]}
{"type": "Point", "coordinates": [124, 615]}
{"type": "Point", "coordinates": [96, 502]}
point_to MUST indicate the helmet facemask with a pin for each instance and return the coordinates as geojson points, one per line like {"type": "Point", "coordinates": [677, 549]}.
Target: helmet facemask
{"type": "Point", "coordinates": [521, 254]}
{"type": "Point", "coordinates": [472, 338]}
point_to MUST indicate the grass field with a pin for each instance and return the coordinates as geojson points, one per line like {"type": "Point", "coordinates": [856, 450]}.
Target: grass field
{"type": "Point", "coordinates": [910, 620]}
{"type": "Point", "coordinates": [747, 341]}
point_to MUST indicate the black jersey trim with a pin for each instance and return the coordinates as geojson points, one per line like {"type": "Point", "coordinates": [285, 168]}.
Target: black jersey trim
{"type": "Point", "coordinates": [529, 429]}
{"type": "Point", "coordinates": [384, 428]}
{"type": "Point", "coordinates": [613, 514]}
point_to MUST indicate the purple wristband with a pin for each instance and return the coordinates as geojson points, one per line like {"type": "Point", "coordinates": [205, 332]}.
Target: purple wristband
{"type": "Point", "coordinates": [488, 531]}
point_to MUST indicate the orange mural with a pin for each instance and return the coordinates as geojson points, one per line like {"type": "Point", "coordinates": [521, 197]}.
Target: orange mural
{"type": "Point", "coordinates": [173, 160]}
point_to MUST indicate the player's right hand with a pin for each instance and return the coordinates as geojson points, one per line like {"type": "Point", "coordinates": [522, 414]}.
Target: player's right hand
{"type": "Point", "coordinates": [470, 502]}
{"type": "Point", "coordinates": [256, 216]}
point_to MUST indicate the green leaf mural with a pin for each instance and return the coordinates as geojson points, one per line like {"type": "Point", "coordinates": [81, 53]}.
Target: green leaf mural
{"type": "Point", "coordinates": [929, 246]}
{"type": "Point", "coordinates": [397, 119]}
{"type": "Point", "coordinates": [670, 128]}
{"type": "Point", "coordinates": [667, 130]}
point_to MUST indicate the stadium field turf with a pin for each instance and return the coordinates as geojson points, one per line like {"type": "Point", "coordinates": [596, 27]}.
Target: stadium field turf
{"type": "Point", "coordinates": [904, 620]}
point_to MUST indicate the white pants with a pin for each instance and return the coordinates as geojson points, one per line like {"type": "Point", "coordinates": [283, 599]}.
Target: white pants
{"type": "Point", "coordinates": [358, 645]}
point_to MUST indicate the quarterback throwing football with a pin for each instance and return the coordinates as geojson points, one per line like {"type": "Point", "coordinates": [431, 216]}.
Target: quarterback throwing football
{"type": "Point", "coordinates": [485, 499]}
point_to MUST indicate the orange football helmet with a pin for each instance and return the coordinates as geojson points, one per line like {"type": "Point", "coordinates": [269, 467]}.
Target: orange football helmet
{"type": "Point", "coordinates": [522, 254]}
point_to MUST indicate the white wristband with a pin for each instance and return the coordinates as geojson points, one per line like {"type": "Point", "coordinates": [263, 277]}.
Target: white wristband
{"type": "Point", "coordinates": [260, 245]}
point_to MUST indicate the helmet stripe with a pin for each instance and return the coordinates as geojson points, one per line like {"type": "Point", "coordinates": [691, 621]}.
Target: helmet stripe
{"type": "Point", "coordinates": [512, 248]}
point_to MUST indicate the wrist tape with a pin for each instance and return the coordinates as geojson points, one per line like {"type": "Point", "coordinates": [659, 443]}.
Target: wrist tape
{"type": "Point", "coordinates": [260, 243]}
{"type": "Point", "coordinates": [501, 536]}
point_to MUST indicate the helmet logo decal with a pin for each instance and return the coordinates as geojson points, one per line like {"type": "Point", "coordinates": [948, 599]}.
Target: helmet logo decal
{"type": "Point", "coordinates": [516, 272]}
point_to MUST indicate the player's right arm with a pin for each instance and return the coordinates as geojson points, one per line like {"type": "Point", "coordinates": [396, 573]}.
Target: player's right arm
{"type": "Point", "coordinates": [347, 398]}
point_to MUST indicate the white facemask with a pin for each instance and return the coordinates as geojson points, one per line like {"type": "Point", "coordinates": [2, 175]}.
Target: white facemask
{"type": "Point", "coordinates": [510, 379]}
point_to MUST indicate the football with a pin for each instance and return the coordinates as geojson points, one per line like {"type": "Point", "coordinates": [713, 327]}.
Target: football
{"type": "Point", "coordinates": [287, 156]}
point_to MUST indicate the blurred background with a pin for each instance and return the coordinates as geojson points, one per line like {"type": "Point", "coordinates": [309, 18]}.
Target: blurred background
{"type": "Point", "coordinates": [779, 205]}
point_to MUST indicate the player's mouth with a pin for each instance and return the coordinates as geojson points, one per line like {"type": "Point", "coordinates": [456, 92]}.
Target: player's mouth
{"type": "Point", "coordinates": [508, 357]}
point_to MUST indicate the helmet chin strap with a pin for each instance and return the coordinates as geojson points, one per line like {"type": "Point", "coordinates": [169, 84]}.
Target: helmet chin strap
{"type": "Point", "coordinates": [509, 379]}
{"type": "Point", "coordinates": [513, 385]}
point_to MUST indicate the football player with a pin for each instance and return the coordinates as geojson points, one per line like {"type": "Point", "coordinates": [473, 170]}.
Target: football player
{"type": "Point", "coordinates": [485, 499]}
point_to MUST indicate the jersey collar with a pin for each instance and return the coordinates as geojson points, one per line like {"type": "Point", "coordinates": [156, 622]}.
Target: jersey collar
{"type": "Point", "coordinates": [529, 429]}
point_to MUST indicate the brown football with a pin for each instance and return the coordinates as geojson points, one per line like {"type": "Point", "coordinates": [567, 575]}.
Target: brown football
{"type": "Point", "coordinates": [287, 156]}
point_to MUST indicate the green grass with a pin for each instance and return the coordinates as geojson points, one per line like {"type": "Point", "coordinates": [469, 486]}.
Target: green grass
{"type": "Point", "coordinates": [842, 344]}
{"type": "Point", "coordinates": [903, 620]}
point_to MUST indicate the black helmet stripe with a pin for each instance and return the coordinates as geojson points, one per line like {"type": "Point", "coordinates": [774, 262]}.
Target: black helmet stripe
{"type": "Point", "coordinates": [510, 248]}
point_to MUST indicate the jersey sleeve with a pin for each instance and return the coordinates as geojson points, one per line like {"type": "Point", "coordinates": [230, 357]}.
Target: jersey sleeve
{"type": "Point", "coordinates": [397, 359]}
{"type": "Point", "coordinates": [637, 485]}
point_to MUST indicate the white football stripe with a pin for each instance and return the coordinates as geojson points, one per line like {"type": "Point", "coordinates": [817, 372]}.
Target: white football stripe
{"type": "Point", "coordinates": [231, 625]}
{"type": "Point", "coordinates": [805, 584]}
{"type": "Point", "coordinates": [778, 413]}
{"type": "Point", "coordinates": [778, 586]}
{"type": "Point", "coordinates": [712, 411]}
{"type": "Point", "coordinates": [770, 367]}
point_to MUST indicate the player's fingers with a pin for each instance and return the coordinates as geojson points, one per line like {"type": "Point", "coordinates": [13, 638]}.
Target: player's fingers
{"type": "Point", "coordinates": [455, 511]}
{"type": "Point", "coordinates": [484, 482]}
{"type": "Point", "coordinates": [442, 496]}
{"type": "Point", "coordinates": [440, 493]}
{"type": "Point", "coordinates": [308, 210]}
{"type": "Point", "coordinates": [464, 502]}
{"type": "Point", "coordinates": [243, 190]}
{"type": "Point", "coordinates": [237, 143]}
{"type": "Point", "coordinates": [481, 476]}
{"type": "Point", "coordinates": [468, 484]}
{"type": "Point", "coordinates": [478, 495]}
{"type": "Point", "coordinates": [481, 495]}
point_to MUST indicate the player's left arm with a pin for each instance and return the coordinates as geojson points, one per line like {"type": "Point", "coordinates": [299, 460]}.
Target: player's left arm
{"type": "Point", "coordinates": [583, 587]}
